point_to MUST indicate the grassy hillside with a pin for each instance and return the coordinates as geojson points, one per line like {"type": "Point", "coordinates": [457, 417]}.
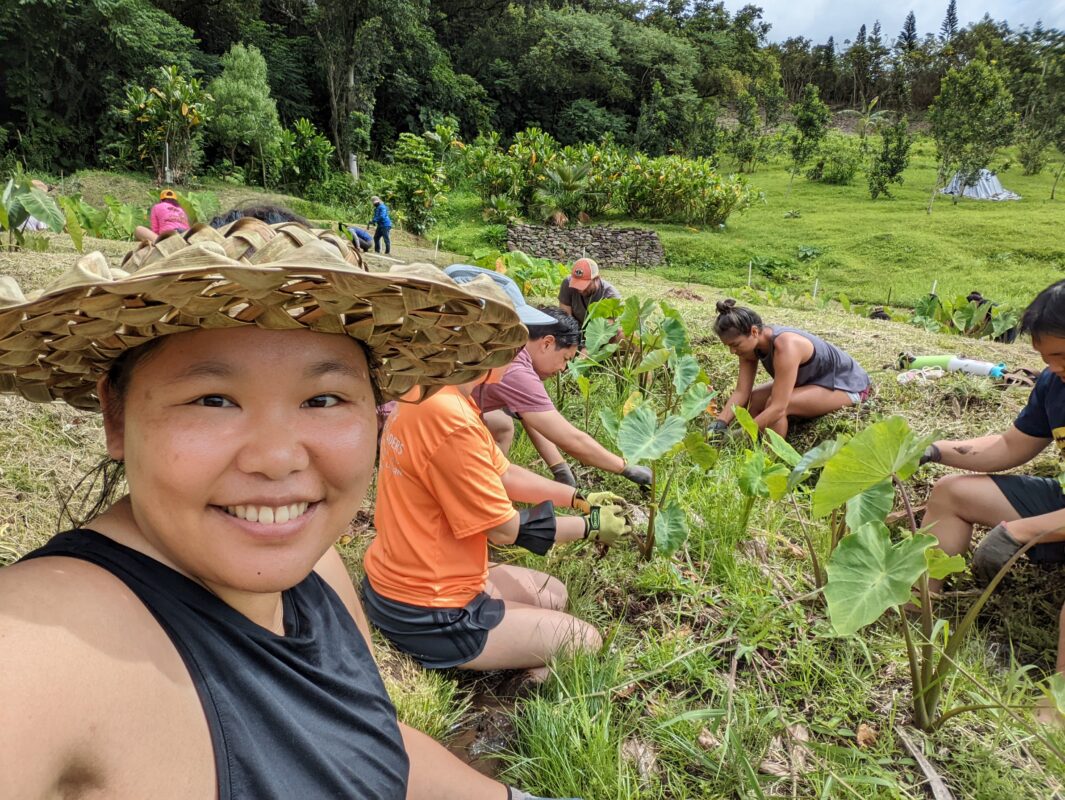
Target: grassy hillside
{"type": "Point", "coordinates": [888, 250]}
{"type": "Point", "coordinates": [722, 677]}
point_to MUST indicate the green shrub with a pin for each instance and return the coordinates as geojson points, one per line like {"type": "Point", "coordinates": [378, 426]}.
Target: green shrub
{"type": "Point", "coordinates": [304, 157]}
{"type": "Point", "coordinates": [1032, 149]}
{"type": "Point", "coordinates": [680, 190]}
{"type": "Point", "coordinates": [837, 160]}
{"type": "Point", "coordinates": [340, 190]}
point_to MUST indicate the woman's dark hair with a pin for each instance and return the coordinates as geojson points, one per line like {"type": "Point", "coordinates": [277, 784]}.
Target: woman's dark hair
{"type": "Point", "coordinates": [566, 329]}
{"type": "Point", "coordinates": [1046, 314]}
{"type": "Point", "coordinates": [269, 214]}
{"type": "Point", "coordinates": [731, 317]}
{"type": "Point", "coordinates": [104, 483]}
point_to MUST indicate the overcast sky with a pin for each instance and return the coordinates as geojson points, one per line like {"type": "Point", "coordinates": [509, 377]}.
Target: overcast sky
{"type": "Point", "coordinates": [819, 19]}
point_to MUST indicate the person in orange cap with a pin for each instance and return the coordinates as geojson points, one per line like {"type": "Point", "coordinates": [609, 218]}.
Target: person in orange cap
{"type": "Point", "coordinates": [166, 215]}
{"type": "Point", "coordinates": [582, 288]}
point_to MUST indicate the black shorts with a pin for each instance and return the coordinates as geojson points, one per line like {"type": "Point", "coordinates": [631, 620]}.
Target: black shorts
{"type": "Point", "coordinates": [1032, 497]}
{"type": "Point", "coordinates": [438, 638]}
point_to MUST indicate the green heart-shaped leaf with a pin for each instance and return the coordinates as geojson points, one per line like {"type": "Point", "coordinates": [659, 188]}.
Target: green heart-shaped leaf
{"type": "Point", "coordinates": [642, 439]}
{"type": "Point", "coordinates": [867, 575]}
{"type": "Point", "coordinates": [671, 529]}
{"type": "Point", "coordinates": [872, 505]}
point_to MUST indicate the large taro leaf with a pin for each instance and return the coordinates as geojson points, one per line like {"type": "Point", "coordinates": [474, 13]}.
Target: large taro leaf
{"type": "Point", "coordinates": [685, 371]}
{"type": "Point", "coordinates": [611, 422]}
{"type": "Point", "coordinates": [597, 335]}
{"type": "Point", "coordinates": [784, 451]}
{"type": "Point", "coordinates": [44, 208]}
{"type": "Point", "coordinates": [642, 439]}
{"type": "Point", "coordinates": [635, 314]}
{"type": "Point", "coordinates": [816, 458]}
{"type": "Point", "coordinates": [695, 401]}
{"type": "Point", "coordinates": [671, 528]}
{"type": "Point", "coordinates": [867, 575]}
{"type": "Point", "coordinates": [884, 449]}
{"type": "Point", "coordinates": [872, 505]}
{"type": "Point", "coordinates": [674, 335]}
{"type": "Point", "coordinates": [759, 478]}
{"type": "Point", "coordinates": [746, 421]}
{"type": "Point", "coordinates": [77, 233]}
{"type": "Point", "coordinates": [652, 361]}
{"type": "Point", "coordinates": [702, 455]}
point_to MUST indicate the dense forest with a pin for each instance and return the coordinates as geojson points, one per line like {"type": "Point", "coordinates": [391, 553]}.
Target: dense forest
{"type": "Point", "coordinates": [656, 75]}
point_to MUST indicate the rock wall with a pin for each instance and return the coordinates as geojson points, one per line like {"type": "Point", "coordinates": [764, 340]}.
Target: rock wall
{"type": "Point", "coordinates": [610, 247]}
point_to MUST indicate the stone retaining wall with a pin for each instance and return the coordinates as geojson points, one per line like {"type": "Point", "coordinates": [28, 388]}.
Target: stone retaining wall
{"type": "Point", "coordinates": [610, 247]}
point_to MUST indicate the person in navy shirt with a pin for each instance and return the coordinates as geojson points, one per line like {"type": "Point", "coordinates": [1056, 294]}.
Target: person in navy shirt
{"type": "Point", "coordinates": [1017, 508]}
{"type": "Point", "coordinates": [382, 223]}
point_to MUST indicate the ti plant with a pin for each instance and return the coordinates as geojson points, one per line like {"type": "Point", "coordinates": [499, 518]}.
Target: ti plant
{"type": "Point", "coordinates": [868, 573]}
{"type": "Point", "coordinates": [662, 390]}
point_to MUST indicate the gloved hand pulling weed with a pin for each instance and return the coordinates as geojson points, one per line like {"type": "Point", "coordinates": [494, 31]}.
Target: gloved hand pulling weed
{"type": "Point", "coordinates": [584, 504]}
{"type": "Point", "coordinates": [606, 524]}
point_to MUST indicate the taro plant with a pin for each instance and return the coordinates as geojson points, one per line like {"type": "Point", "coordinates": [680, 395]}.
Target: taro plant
{"type": "Point", "coordinates": [764, 466]}
{"type": "Point", "coordinates": [869, 573]}
{"type": "Point", "coordinates": [661, 391]}
{"type": "Point", "coordinates": [21, 200]}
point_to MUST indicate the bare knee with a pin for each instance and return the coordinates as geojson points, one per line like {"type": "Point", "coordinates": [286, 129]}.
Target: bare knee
{"type": "Point", "coordinates": [948, 493]}
{"type": "Point", "coordinates": [587, 638]}
{"type": "Point", "coordinates": [556, 594]}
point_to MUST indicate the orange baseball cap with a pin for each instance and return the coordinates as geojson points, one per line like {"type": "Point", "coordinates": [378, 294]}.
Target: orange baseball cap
{"type": "Point", "coordinates": [583, 273]}
{"type": "Point", "coordinates": [168, 194]}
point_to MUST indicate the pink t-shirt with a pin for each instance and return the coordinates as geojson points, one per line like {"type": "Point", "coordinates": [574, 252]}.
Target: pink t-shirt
{"type": "Point", "coordinates": [520, 390]}
{"type": "Point", "coordinates": [167, 216]}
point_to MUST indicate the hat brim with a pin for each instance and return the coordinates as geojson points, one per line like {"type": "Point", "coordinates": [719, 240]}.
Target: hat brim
{"type": "Point", "coordinates": [530, 315]}
{"type": "Point", "coordinates": [419, 331]}
{"type": "Point", "coordinates": [580, 284]}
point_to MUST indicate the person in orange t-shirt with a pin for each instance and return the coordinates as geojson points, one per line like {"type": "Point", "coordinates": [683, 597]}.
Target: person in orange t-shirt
{"type": "Point", "coordinates": [445, 491]}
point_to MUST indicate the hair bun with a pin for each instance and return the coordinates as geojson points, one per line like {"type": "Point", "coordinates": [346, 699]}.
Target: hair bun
{"type": "Point", "coordinates": [725, 306]}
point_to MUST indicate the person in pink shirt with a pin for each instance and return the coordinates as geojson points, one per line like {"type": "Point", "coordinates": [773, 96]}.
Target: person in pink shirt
{"type": "Point", "coordinates": [166, 215]}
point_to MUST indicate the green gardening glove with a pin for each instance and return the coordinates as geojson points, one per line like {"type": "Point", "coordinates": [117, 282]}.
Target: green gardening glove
{"type": "Point", "coordinates": [584, 504]}
{"type": "Point", "coordinates": [606, 524]}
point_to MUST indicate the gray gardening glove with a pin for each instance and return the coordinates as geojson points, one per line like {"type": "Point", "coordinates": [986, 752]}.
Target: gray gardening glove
{"type": "Point", "coordinates": [563, 474]}
{"type": "Point", "coordinates": [991, 555]}
{"type": "Point", "coordinates": [716, 430]}
{"type": "Point", "coordinates": [931, 455]}
{"type": "Point", "coordinates": [641, 476]}
{"type": "Point", "coordinates": [518, 794]}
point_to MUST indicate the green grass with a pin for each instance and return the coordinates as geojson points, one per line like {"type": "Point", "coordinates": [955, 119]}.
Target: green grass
{"type": "Point", "coordinates": [718, 679]}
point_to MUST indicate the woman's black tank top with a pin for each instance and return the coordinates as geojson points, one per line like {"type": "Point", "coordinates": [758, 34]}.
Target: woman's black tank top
{"type": "Point", "coordinates": [304, 715]}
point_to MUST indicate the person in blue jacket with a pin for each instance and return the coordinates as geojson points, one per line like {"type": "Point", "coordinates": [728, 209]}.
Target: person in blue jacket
{"type": "Point", "coordinates": [382, 225]}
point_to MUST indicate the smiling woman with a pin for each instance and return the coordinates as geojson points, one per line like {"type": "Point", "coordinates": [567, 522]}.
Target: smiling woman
{"type": "Point", "coordinates": [202, 627]}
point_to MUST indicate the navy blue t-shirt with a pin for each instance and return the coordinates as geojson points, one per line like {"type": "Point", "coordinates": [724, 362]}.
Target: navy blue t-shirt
{"type": "Point", "coordinates": [1044, 416]}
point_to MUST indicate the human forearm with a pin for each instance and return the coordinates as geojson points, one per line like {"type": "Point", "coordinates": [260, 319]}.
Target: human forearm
{"type": "Point", "coordinates": [436, 774]}
{"type": "Point", "coordinates": [524, 486]}
{"type": "Point", "coordinates": [985, 454]}
{"type": "Point", "coordinates": [545, 447]}
{"type": "Point", "coordinates": [1052, 524]}
{"type": "Point", "coordinates": [770, 415]}
{"type": "Point", "coordinates": [590, 453]}
{"type": "Point", "coordinates": [737, 398]}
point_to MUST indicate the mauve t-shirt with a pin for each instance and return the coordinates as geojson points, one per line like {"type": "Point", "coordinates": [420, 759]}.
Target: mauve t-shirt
{"type": "Point", "coordinates": [168, 217]}
{"type": "Point", "coordinates": [521, 389]}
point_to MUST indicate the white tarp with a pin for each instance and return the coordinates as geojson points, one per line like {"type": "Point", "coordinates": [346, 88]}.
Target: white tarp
{"type": "Point", "coordinates": [987, 187]}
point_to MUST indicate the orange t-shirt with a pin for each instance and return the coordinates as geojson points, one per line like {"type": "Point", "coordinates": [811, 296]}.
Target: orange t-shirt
{"type": "Point", "coordinates": [438, 492]}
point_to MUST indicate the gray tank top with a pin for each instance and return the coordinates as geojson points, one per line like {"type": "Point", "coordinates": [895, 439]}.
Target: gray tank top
{"type": "Point", "coordinates": [828, 366]}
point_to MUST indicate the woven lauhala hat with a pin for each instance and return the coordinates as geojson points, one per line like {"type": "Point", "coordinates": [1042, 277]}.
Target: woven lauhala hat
{"type": "Point", "coordinates": [419, 326]}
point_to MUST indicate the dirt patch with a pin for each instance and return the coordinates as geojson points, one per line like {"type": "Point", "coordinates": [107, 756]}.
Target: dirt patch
{"type": "Point", "coordinates": [685, 294]}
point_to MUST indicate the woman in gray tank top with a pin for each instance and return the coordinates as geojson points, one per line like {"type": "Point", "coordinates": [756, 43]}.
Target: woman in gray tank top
{"type": "Point", "coordinates": [810, 377]}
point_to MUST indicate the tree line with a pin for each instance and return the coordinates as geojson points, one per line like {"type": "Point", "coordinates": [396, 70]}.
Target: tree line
{"type": "Point", "coordinates": [663, 76]}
